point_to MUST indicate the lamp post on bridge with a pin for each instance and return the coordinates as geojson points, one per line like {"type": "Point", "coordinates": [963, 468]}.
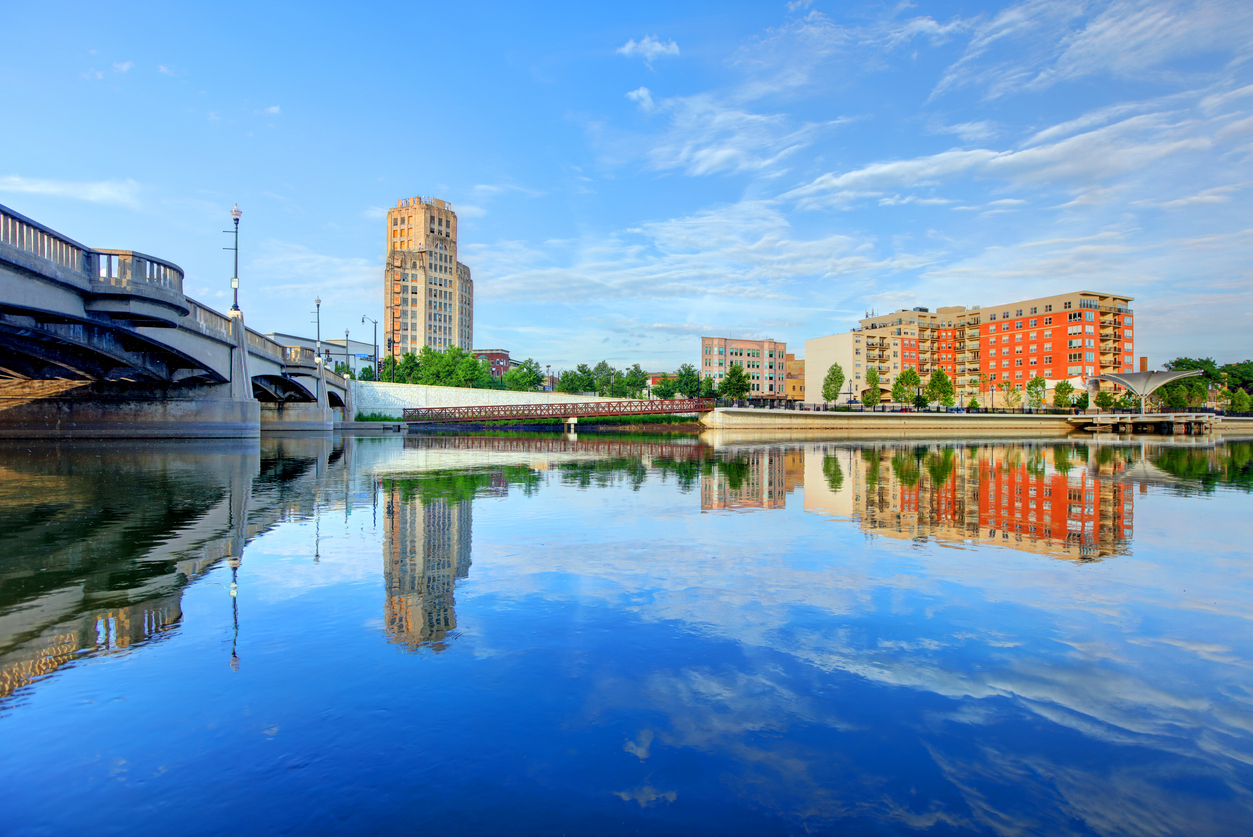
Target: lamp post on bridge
{"type": "Point", "coordinates": [347, 365]}
{"type": "Point", "coordinates": [317, 311]}
{"type": "Point", "coordinates": [236, 214]}
{"type": "Point", "coordinates": [377, 376]}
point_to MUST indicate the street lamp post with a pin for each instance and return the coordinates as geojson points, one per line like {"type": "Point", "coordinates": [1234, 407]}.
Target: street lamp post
{"type": "Point", "coordinates": [236, 214]}
{"type": "Point", "coordinates": [317, 310]}
{"type": "Point", "coordinates": [347, 365]}
{"type": "Point", "coordinates": [375, 359]}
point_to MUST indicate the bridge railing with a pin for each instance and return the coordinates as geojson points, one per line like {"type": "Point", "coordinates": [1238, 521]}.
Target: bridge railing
{"type": "Point", "coordinates": [208, 318]}
{"type": "Point", "coordinates": [519, 412]}
{"type": "Point", "coordinates": [299, 356]}
{"type": "Point", "coordinates": [22, 233]}
{"type": "Point", "coordinates": [129, 269]}
{"type": "Point", "coordinates": [264, 345]}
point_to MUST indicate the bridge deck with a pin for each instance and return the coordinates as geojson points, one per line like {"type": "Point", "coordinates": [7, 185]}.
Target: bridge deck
{"type": "Point", "coordinates": [581, 409]}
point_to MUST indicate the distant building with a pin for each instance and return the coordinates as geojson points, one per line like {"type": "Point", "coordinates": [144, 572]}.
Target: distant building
{"type": "Point", "coordinates": [428, 295]}
{"type": "Point", "coordinates": [763, 362]}
{"type": "Point", "coordinates": [1080, 334]}
{"type": "Point", "coordinates": [360, 354]}
{"type": "Point", "coordinates": [497, 359]}
{"type": "Point", "coordinates": [795, 378]}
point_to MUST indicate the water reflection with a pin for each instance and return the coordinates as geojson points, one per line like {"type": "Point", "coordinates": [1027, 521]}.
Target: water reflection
{"type": "Point", "coordinates": [642, 635]}
{"type": "Point", "coordinates": [97, 543]}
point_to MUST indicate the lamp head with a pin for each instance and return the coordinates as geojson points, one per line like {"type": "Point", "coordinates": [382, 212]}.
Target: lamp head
{"type": "Point", "coordinates": [236, 213]}
{"type": "Point", "coordinates": [317, 300]}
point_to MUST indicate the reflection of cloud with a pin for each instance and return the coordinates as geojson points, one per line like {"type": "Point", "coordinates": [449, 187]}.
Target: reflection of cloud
{"type": "Point", "coordinates": [646, 796]}
{"type": "Point", "coordinates": [639, 747]}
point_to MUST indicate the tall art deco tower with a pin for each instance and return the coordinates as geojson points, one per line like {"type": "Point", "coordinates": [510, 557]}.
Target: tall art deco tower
{"type": "Point", "coordinates": [428, 294]}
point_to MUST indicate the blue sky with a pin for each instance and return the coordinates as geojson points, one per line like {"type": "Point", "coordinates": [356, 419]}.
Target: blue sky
{"type": "Point", "coordinates": [630, 178]}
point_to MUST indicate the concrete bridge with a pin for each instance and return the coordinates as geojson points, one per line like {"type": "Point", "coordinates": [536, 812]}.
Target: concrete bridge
{"type": "Point", "coordinates": [104, 343]}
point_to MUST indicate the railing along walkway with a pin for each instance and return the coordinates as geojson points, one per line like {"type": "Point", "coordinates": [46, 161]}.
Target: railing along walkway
{"type": "Point", "coordinates": [581, 409]}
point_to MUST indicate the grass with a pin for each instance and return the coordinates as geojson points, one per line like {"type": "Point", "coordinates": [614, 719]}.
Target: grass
{"type": "Point", "coordinates": [374, 417]}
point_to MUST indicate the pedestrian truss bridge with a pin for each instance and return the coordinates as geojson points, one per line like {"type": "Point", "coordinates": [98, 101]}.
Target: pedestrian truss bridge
{"type": "Point", "coordinates": [568, 412]}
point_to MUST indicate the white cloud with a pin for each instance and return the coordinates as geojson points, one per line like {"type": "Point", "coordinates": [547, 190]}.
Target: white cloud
{"type": "Point", "coordinates": [650, 47]}
{"type": "Point", "coordinates": [1038, 43]}
{"type": "Point", "coordinates": [121, 192]}
{"type": "Point", "coordinates": [93, 74]}
{"type": "Point", "coordinates": [161, 68]}
{"type": "Point", "coordinates": [272, 109]}
{"type": "Point", "coordinates": [123, 66]}
{"type": "Point", "coordinates": [642, 97]}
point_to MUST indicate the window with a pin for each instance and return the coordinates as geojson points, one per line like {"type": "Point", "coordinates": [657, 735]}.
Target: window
{"type": "Point", "coordinates": [1018, 313]}
{"type": "Point", "coordinates": [1048, 308]}
{"type": "Point", "coordinates": [991, 318]}
{"type": "Point", "coordinates": [1033, 310]}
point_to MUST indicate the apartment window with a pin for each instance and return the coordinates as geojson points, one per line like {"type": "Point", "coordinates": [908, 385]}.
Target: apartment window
{"type": "Point", "coordinates": [991, 317]}
{"type": "Point", "coordinates": [1089, 356]}
{"type": "Point", "coordinates": [1066, 305]}
{"type": "Point", "coordinates": [1005, 315]}
{"type": "Point", "coordinates": [1018, 313]}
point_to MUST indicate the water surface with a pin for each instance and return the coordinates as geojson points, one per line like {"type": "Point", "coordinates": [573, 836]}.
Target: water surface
{"type": "Point", "coordinates": [540, 635]}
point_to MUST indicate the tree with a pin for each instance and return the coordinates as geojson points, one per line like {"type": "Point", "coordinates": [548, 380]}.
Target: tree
{"type": "Point", "coordinates": [579, 379]}
{"type": "Point", "coordinates": [1062, 393]}
{"type": "Point", "coordinates": [603, 376]}
{"type": "Point", "coordinates": [735, 385]}
{"type": "Point", "coordinates": [1239, 375]}
{"type": "Point", "coordinates": [1241, 402]}
{"type": "Point", "coordinates": [366, 374]}
{"type": "Point", "coordinates": [940, 388]}
{"type": "Point", "coordinates": [343, 370]}
{"type": "Point", "coordinates": [906, 386]}
{"type": "Point", "coordinates": [1035, 392]}
{"type": "Point", "coordinates": [833, 383]}
{"type": "Point", "coordinates": [1011, 393]}
{"type": "Point", "coordinates": [872, 396]}
{"type": "Point", "coordinates": [974, 403]}
{"type": "Point", "coordinates": [407, 369]}
{"type": "Point", "coordinates": [920, 400]}
{"type": "Point", "coordinates": [387, 371]}
{"type": "Point", "coordinates": [1105, 400]}
{"type": "Point", "coordinates": [707, 388]}
{"type": "Point", "coordinates": [635, 380]}
{"type": "Point", "coordinates": [1081, 400]}
{"type": "Point", "coordinates": [666, 387]}
{"type": "Point", "coordinates": [687, 381]}
{"type": "Point", "coordinates": [525, 377]}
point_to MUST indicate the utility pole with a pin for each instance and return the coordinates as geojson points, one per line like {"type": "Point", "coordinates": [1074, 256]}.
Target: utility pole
{"type": "Point", "coordinates": [317, 302]}
{"type": "Point", "coordinates": [347, 365]}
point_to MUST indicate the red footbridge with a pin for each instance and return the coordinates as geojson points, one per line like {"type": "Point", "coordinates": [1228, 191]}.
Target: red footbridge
{"type": "Point", "coordinates": [530, 412]}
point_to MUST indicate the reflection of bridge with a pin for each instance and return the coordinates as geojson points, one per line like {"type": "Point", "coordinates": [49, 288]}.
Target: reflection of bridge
{"type": "Point", "coordinates": [567, 412]}
{"type": "Point", "coordinates": [105, 343]}
{"type": "Point", "coordinates": [598, 448]}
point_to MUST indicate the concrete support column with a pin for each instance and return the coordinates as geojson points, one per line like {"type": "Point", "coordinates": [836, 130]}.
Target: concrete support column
{"type": "Point", "coordinates": [241, 380]}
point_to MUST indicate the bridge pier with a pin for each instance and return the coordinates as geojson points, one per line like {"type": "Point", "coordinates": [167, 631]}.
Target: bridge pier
{"type": "Point", "coordinates": [296, 416]}
{"type": "Point", "coordinates": [101, 410]}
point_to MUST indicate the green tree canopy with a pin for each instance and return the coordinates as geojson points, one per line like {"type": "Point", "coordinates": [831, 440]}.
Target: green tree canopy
{"type": "Point", "coordinates": [366, 374]}
{"type": "Point", "coordinates": [666, 387]}
{"type": "Point", "coordinates": [906, 386]}
{"type": "Point", "coordinates": [1035, 392]}
{"type": "Point", "coordinates": [833, 472]}
{"type": "Point", "coordinates": [687, 381]}
{"type": "Point", "coordinates": [579, 379]}
{"type": "Point", "coordinates": [1240, 401]}
{"type": "Point", "coordinates": [872, 396]}
{"type": "Point", "coordinates": [707, 388]}
{"type": "Point", "coordinates": [1105, 400]}
{"type": "Point", "coordinates": [735, 384]}
{"type": "Point", "coordinates": [940, 388]}
{"type": "Point", "coordinates": [1061, 393]}
{"type": "Point", "coordinates": [833, 383]}
{"type": "Point", "coordinates": [524, 377]}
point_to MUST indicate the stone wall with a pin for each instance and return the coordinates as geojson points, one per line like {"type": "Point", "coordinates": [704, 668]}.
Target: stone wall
{"type": "Point", "coordinates": [390, 399]}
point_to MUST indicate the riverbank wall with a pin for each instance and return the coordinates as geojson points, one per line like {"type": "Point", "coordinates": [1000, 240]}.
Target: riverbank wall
{"type": "Point", "coordinates": [888, 425]}
{"type": "Point", "coordinates": [391, 400]}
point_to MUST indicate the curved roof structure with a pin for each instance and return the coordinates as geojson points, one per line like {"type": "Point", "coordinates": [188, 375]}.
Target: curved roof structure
{"type": "Point", "coordinates": [1144, 384]}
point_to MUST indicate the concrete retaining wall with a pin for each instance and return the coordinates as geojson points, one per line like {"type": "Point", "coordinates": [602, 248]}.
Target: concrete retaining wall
{"type": "Point", "coordinates": [902, 425]}
{"type": "Point", "coordinates": [390, 399]}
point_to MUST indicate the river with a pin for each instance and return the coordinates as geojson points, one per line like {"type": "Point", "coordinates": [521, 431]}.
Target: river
{"type": "Point", "coordinates": [539, 634]}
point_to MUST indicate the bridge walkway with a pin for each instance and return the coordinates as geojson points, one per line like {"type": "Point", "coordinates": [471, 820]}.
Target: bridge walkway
{"type": "Point", "coordinates": [573, 410]}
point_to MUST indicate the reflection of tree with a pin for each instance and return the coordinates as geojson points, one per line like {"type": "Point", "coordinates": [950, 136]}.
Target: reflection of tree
{"type": "Point", "coordinates": [465, 484]}
{"type": "Point", "coordinates": [735, 470]}
{"type": "Point", "coordinates": [1229, 465]}
{"type": "Point", "coordinates": [940, 466]}
{"type": "Point", "coordinates": [871, 457]}
{"type": "Point", "coordinates": [905, 466]}
{"type": "Point", "coordinates": [604, 472]}
{"type": "Point", "coordinates": [1061, 459]}
{"type": "Point", "coordinates": [686, 472]}
{"type": "Point", "coordinates": [832, 471]}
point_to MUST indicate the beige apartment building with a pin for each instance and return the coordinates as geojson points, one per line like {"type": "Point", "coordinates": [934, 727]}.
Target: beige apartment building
{"type": "Point", "coordinates": [763, 361]}
{"type": "Point", "coordinates": [428, 294]}
{"type": "Point", "coordinates": [1064, 337]}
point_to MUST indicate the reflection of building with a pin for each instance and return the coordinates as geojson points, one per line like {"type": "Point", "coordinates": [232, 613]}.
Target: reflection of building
{"type": "Point", "coordinates": [1037, 499]}
{"type": "Point", "coordinates": [795, 378]}
{"type": "Point", "coordinates": [761, 478]}
{"type": "Point", "coordinates": [426, 546]}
